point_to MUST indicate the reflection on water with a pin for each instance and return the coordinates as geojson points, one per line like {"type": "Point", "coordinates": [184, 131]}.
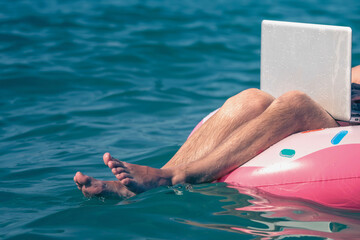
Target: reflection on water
{"type": "Point", "coordinates": [269, 216]}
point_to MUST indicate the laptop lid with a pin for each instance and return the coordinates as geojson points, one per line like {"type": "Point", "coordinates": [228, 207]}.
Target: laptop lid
{"type": "Point", "coordinates": [312, 58]}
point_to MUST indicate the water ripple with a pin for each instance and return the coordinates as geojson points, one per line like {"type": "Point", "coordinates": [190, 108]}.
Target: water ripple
{"type": "Point", "coordinates": [80, 78]}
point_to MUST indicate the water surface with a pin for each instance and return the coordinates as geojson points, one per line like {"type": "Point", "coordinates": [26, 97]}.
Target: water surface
{"type": "Point", "coordinates": [80, 78]}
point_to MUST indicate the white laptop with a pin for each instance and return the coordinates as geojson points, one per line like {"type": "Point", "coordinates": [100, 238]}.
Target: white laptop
{"type": "Point", "coordinates": [312, 58]}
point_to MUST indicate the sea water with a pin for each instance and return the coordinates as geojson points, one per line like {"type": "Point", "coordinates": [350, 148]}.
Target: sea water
{"type": "Point", "coordinates": [79, 78]}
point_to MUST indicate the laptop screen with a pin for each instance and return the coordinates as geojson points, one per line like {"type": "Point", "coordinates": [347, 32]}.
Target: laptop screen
{"type": "Point", "coordinates": [312, 58]}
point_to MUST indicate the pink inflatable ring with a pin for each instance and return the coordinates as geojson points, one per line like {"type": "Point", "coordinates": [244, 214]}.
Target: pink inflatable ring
{"type": "Point", "coordinates": [322, 166]}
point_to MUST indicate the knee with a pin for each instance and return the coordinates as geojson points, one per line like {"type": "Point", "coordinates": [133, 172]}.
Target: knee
{"type": "Point", "coordinates": [301, 111]}
{"type": "Point", "coordinates": [297, 103]}
{"type": "Point", "coordinates": [253, 100]}
{"type": "Point", "coordinates": [295, 98]}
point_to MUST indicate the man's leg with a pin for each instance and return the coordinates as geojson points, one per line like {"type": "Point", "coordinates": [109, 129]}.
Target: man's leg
{"type": "Point", "coordinates": [293, 112]}
{"type": "Point", "coordinates": [235, 112]}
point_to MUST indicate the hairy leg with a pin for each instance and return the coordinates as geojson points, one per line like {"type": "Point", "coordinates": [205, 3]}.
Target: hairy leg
{"type": "Point", "coordinates": [293, 112]}
{"type": "Point", "coordinates": [235, 112]}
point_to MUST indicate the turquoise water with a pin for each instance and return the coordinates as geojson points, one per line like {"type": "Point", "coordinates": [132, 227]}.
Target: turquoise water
{"type": "Point", "coordinates": [80, 78]}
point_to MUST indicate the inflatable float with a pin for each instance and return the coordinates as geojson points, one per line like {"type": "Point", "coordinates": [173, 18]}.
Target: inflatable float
{"type": "Point", "coordinates": [322, 166]}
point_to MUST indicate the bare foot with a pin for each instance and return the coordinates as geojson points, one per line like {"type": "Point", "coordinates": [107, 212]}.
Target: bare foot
{"type": "Point", "coordinates": [92, 187]}
{"type": "Point", "coordinates": [138, 178]}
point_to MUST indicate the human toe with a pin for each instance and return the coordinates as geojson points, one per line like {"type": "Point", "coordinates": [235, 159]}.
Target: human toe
{"type": "Point", "coordinates": [115, 164]}
{"type": "Point", "coordinates": [77, 184]}
{"type": "Point", "coordinates": [122, 176]}
{"type": "Point", "coordinates": [106, 158]}
{"type": "Point", "coordinates": [81, 179]}
{"type": "Point", "coordinates": [118, 170]}
{"type": "Point", "coordinates": [111, 162]}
